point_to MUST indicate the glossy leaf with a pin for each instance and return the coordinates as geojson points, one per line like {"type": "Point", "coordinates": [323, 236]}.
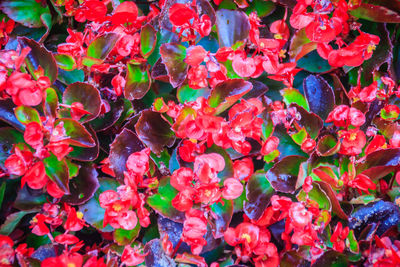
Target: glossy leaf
{"type": "Point", "coordinates": [287, 146]}
{"type": "Point", "coordinates": [137, 81]}
{"type": "Point", "coordinates": [319, 95]}
{"type": "Point", "coordinates": [173, 56]}
{"type": "Point", "coordinates": [380, 163]}
{"type": "Point", "coordinates": [328, 145]}
{"type": "Point", "coordinates": [39, 56]}
{"type": "Point", "coordinates": [29, 199]}
{"type": "Point", "coordinates": [13, 220]}
{"type": "Point", "coordinates": [174, 231]}
{"type": "Point", "coordinates": [161, 201]}
{"type": "Point", "coordinates": [331, 258]}
{"type": "Point", "coordinates": [313, 62]}
{"type": "Point", "coordinates": [154, 131]}
{"type": "Point", "coordinates": [283, 175]}
{"type": "Point", "coordinates": [155, 255]}
{"type": "Point", "coordinates": [375, 13]}
{"type": "Point", "coordinates": [83, 186]}
{"type": "Point", "coordinates": [93, 213]}
{"type": "Point", "coordinates": [232, 26]}
{"type": "Point", "coordinates": [186, 94]}
{"type": "Point", "coordinates": [26, 12]}
{"type": "Point", "coordinates": [148, 40]}
{"type": "Point", "coordinates": [7, 114]}
{"type": "Point", "coordinates": [292, 95]}
{"type": "Point", "coordinates": [8, 137]}
{"type": "Point", "coordinates": [102, 45]}
{"type": "Point", "coordinates": [223, 213]}
{"type": "Point", "coordinates": [310, 121]}
{"type": "Point", "coordinates": [258, 192]}
{"type": "Point", "coordinates": [300, 45]}
{"type": "Point", "coordinates": [76, 134]}
{"type": "Point", "coordinates": [27, 114]}
{"type": "Point", "coordinates": [65, 62]}
{"type": "Point", "coordinates": [227, 172]}
{"type": "Point", "coordinates": [318, 195]}
{"type": "Point", "coordinates": [226, 93]}
{"type": "Point", "coordinates": [124, 144]}
{"type": "Point", "coordinates": [85, 94]}
{"type": "Point", "coordinates": [86, 153]}
{"type": "Point", "coordinates": [57, 171]}
{"type": "Point", "coordinates": [108, 119]}
{"type": "Point", "coordinates": [50, 103]}
{"type": "Point", "coordinates": [125, 237]}
{"type": "Point", "coordinates": [385, 214]}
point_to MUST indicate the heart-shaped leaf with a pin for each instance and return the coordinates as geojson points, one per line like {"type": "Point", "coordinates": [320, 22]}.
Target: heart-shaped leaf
{"type": "Point", "coordinates": [319, 95]}
{"type": "Point", "coordinates": [258, 192]}
{"type": "Point", "coordinates": [93, 213]}
{"type": "Point", "coordinates": [283, 175]}
{"type": "Point", "coordinates": [161, 201]}
{"type": "Point", "coordinates": [232, 26]}
{"type": "Point", "coordinates": [57, 171]}
{"type": "Point", "coordinates": [138, 81]}
{"type": "Point", "coordinates": [154, 131]}
{"type": "Point", "coordinates": [85, 94]}
{"type": "Point", "coordinates": [173, 56]}
{"type": "Point", "coordinates": [226, 93]}
{"type": "Point", "coordinates": [39, 56]}
{"type": "Point", "coordinates": [223, 217]}
{"type": "Point", "coordinates": [26, 12]}
{"type": "Point", "coordinates": [123, 146]}
{"type": "Point", "coordinates": [83, 186]}
{"type": "Point", "coordinates": [7, 114]}
{"type": "Point", "coordinates": [148, 40]}
{"type": "Point", "coordinates": [76, 133]}
{"type": "Point", "coordinates": [27, 114]}
{"type": "Point", "coordinates": [100, 47]}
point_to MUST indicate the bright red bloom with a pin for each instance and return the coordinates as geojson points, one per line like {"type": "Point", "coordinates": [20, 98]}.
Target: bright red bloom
{"type": "Point", "coordinates": [183, 201]}
{"type": "Point", "coordinates": [180, 14]}
{"type": "Point", "coordinates": [243, 169]}
{"type": "Point", "coordinates": [138, 162]}
{"type": "Point", "coordinates": [323, 30]}
{"type": "Point", "coordinates": [343, 116]}
{"type": "Point", "coordinates": [195, 55]}
{"type": "Point", "coordinates": [53, 189]}
{"type": "Point", "coordinates": [64, 260]}
{"type": "Point", "coordinates": [194, 229]}
{"type": "Point", "coordinates": [6, 251]}
{"type": "Point", "coordinates": [67, 239]}
{"type": "Point", "coordinates": [33, 134]}
{"type": "Point", "coordinates": [299, 215]}
{"type": "Point", "coordinates": [353, 142]}
{"type": "Point", "coordinates": [270, 145]}
{"type": "Point", "coordinates": [132, 256]}
{"type": "Point", "coordinates": [308, 145]}
{"type": "Point", "coordinates": [125, 12]}
{"type": "Point", "coordinates": [35, 177]}
{"type": "Point", "coordinates": [182, 178]}
{"type": "Point", "coordinates": [233, 188]}
{"type": "Point", "coordinates": [197, 77]}
{"type": "Point", "coordinates": [363, 183]}
{"type": "Point", "coordinates": [38, 225]}
{"type": "Point", "coordinates": [339, 236]}
{"type": "Point", "coordinates": [378, 142]}
{"type": "Point", "coordinates": [74, 220]}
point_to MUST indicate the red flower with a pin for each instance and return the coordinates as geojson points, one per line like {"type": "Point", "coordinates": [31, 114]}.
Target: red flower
{"type": "Point", "coordinates": [124, 13]}
{"type": "Point", "coordinates": [67, 239]}
{"type": "Point", "coordinates": [35, 177]}
{"type": "Point", "coordinates": [132, 256]}
{"type": "Point", "coordinates": [308, 145]}
{"type": "Point", "coordinates": [138, 162]}
{"type": "Point", "coordinates": [243, 169]}
{"type": "Point", "coordinates": [38, 225]}
{"type": "Point", "coordinates": [363, 183]}
{"type": "Point", "coordinates": [379, 142]}
{"type": "Point", "coordinates": [299, 215]}
{"type": "Point", "coordinates": [343, 116]}
{"type": "Point", "coordinates": [64, 260]}
{"type": "Point", "coordinates": [197, 77]}
{"type": "Point", "coordinates": [74, 220]}
{"type": "Point", "coordinates": [183, 201]}
{"type": "Point", "coordinates": [233, 188]}
{"type": "Point", "coordinates": [180, 14]}
{"type": "Point", "coordinates": [339, 236]}
{"type": "Point", "coordinates": [195, 55]}
{"type": "Point", "coordinates": [33, 134]}
{"type": "Point", "coordinates": [323, 30]}
{"type": "Point", "coordinates": [6, 251]}
{"type": "Point", "coordinates": [194, 229]}
{"type": "Point", "coordinates": [270, 145]}
{"type": "Point", "coordinates": [182, 178]}
{"type": "Point", "coordinates": [353, 142]}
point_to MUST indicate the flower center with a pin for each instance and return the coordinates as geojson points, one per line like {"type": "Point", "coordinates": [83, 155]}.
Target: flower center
{"type": "Point", "coordinates": [247, 237]}
{"type": "Point", "coordinates": [371, 48]}
{"type": "Point", "coordinates": [353, 136]}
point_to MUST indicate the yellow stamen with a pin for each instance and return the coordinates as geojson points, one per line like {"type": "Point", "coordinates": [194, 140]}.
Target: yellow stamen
{"type": "Point", "coordinates": [247, 237]}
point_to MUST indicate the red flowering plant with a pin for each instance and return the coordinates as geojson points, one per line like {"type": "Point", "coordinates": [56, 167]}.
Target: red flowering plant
{"type": "Point", "coordinates": [199, 133]}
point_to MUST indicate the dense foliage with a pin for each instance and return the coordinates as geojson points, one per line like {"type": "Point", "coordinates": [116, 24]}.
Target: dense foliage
{"type": "Point", "coordinates": [199, 132]}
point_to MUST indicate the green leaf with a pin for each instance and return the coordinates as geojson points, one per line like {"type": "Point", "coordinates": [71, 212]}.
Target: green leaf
{"type": "Point", "coordinates": [351, 242]}
{"type": "Point", "coordinates": [65, 62]}
{"type": "Point", "coordinates": [148, 40]}
{"type": "Point", "coordinates": [13, 220]}
{"type": "Point", "coordinates": [26, 12]}
{"type": "Point", "coordinates": [186, 94]}
{"type": "Point", "coordinates": [223, 212]}
{"type": "Point", "coordinates": [318, 195]}
{"type": "Point", "coordinates": [93, 213]}
{"type": "Point", "coordinates": [39, 56]}
{"type": "Point", "coordinates": [102, 45]}
{"type": "Point", "coordinates": [259, 192]}
{"type": "Point", "coordinates": [69, 77]}
{"type": "Point", "coordinates": [8, 137]}
{"type": "Point", "coordinates": [300, 45]}
{"type": "Point", "coordinates": [138, 81]}
{"type": "Point", "coordinates": [2, 191]}
{"type": "Point", "coordinates": [7, 114]}
{"type": "Point", "coordinates": [226, 93]}
{"type": "Point", "coordinates": [328, 145]}
{"type": "Point", "coordinates": [312, 61]}
{"type": "Point", "coordinates": [161, 201]}
{"type": "Point", "coordinates": [292, 95]}
{"type": "Point", "coordinates": [50, 103]}
{"type": "Point", "coordinates": [300, 136]}
{"type": "Point", "coordinates": [173, 56]}
{"type": "Point", "coordinates": [27, 114]}
{"type": "Point", "coordinates": [125, 237]}
{"type": "Point", "coordinates": [76, 134]}
{"type": "Point", "coordinates": [57, 172]}
{"type": "Point", "coordinates": [263, 8]}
